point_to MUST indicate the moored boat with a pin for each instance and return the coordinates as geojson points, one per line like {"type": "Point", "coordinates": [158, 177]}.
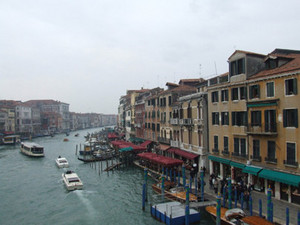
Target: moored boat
{"type": "Point", "coordinates": [32, 149]}
{"type": "Point", "coordinates": [11, 139]}
{"type": "Point", "coordinates": [62, 162]}
{"type": "Point", "coordinates": [72, 181]}
{"type": "Point", "coordinates": [173, 193]}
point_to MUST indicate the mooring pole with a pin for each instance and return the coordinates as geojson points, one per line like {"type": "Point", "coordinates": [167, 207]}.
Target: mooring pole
{"type": "Point", "coordinates": [187, 205]}
{"type": "Point", "coordinates": [218, 218]}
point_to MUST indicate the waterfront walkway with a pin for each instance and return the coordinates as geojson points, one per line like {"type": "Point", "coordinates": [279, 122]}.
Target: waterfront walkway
{"type": "Point", "coordinates": [279, 205]}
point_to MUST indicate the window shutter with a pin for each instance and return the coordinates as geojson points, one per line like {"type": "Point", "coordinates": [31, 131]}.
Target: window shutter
{"type": "Point", "coordinates": [295, 86]}
{"type": "Point", "coordinates": [296, 118]}
{"type": "Point", "coordinates": [250, 92]}
{"type": "Point", "coordinates": [286, 87]}
{"type": "Point", "coordinates": [284, 118]}
{"type": "Point", "coordinates": [243, 66]}
{"type": "Point", "coordinates": [266, 120]}
{"type": "Point", "coordinates": [258, 91]}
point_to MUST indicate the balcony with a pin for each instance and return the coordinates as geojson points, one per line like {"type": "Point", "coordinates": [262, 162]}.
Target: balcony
{"type": "Point", "coordinates": [163, 140]}
{"type": "Point", "coordinates": [215, 151]}
{"type": "Point", "coordinates": [271, 160]}
{"type": "Point", "coordinates": [187, 147]}
{"type": "Point", "coordinates": [226, 153]}
{"type": "Point", "coordinates": [198, 149]}
{"type": "Point", "coordinates": [198, 122]}
{"type": "Point", "coordinates": [255, 158]}
{"type": "Point", "coordinates": [174, 121]}
{"type": "Point", "coordinates": [269, 129]}
{"type": "Point", "coordinates": [187, 122]}
{"type": "Point", "coordinates": [291, 163]}
{"type": "Point", "coordinates": [239, 155]}
{"type": "Point", "coordinates": [174, 144]}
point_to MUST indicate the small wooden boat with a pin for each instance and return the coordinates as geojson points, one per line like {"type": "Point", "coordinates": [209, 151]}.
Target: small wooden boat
{"type": "Point", "coordinates": [66, 139]}
{"type": "Point", "coordinates": [173, 193]}
{"type": "Point", "coordinates": [236, 216]}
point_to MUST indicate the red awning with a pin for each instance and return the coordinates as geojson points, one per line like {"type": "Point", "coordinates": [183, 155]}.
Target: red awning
{"type": "Point", "coordinates": [144, 144]}
{"type": "Point", "coordinates": [187, 155]}
{"type": "Point", "coordinates": [159, 159]}
{"type": "Point", "coordinates": [112, 135]}
{"type": "Point", "coordinates": [124, 144]}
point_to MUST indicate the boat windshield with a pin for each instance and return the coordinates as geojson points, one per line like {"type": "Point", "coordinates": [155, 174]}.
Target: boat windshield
{"type": "Point", "coordinates": [73, 179]}
{"type": "Point", "coordinates": [62, 161]}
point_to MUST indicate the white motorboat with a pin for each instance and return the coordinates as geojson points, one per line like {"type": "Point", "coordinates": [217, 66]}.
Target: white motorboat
{"type": "Point", "coordinates": [32, 149]}
{"type": "Point", "coordinates": [62, 162]}
{"type": "Point", "coordinates": [72, 181]}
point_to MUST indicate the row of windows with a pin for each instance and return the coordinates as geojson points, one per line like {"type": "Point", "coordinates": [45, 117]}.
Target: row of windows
{"type": "Point", "coordinates": [240, 149]}
{"type": "Point", "coordinates": [240, 93]}
{"type": "Point", "coordinates": [152, 126]}
{"type": "Point", "coordinates": [290, 118]}
{"type": "Point", "coordinates": [160, 101]}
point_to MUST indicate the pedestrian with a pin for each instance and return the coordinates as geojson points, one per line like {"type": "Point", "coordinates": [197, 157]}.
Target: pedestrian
{"type": "Point", "coordinates": [216, 185]}
{"type": "Point", "coordinates": [246, 199]}
{"type": "Point", "coordinates": [211, 181]}
{"type": "Point", "coordinates": [204, 169]}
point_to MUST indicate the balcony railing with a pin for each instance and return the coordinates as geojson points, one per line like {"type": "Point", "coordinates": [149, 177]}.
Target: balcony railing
{"type": "Point", "coordinates": [163, 140]}
{"type": "Point", "coordinates": [214, 150]}
{"type": "Point", "coordinates": [270, 160]}
{"type": "Point", "coordinates": [256, 158]}
{"type": "Point", "coordinates": [290, 163]}
{"type": "Point", "coordinates": [174, 144]}
{"type": "Point", "coordinates": [262, 129]}
{"type": "Point", "coordinates": [198, 122]}
{"type": "Point", "coordinates": [174, 121]}
{"type": "Point", "coordinates": [226, 153]}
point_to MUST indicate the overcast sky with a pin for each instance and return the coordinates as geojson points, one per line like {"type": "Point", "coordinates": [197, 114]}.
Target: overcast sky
{"type": "Point", "coordinates": [89, 52]}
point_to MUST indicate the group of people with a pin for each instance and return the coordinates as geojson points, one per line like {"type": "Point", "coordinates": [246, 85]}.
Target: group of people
{"type": "Point", "coordinates": [221, 186]}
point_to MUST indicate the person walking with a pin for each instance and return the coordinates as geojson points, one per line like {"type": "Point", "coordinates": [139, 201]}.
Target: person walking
{"type": "Point", "coordinates": [216, 185]}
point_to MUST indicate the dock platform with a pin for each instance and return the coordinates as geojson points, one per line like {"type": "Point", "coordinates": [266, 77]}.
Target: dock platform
{"type": "Point", "coordinates": [173, 213]}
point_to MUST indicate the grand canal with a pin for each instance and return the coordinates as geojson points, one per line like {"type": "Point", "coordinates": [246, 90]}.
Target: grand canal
{"type": "Point", "coordinates": [32, 191]}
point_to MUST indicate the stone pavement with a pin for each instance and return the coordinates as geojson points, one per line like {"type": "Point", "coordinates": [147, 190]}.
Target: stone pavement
{"type": "Point", "coordinates": [279, 205]}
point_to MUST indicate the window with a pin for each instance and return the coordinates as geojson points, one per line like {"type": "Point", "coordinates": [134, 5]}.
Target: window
{"type": "Point", "coordinates": [216, 144]}
{"type": "Point", "coordinates": [214, 96]}
{"type": "Point", "coordinates": [290, 153]}
{"type": "Point", "coordinates": [270, 89]}
{"type": "Point", "coordinates": [224, 95]}
{"type": "Point", "coordinates": [237, 67]}
{"type": "Point", "coordinates": [255, 118]}
{"type": "Point", "coordinates": [271, 151]}
{"type": "Point", "coordinates": [291, 86]}
{"type": "Point", "coordinates": [239, 118]}
{"type": "Point", "coordinates": [225, 118]}
{"type": "Point", "coordinates": [256, 149]}
{"type": "Point", "coordinates": [158, 127]}
{"type": "Point", "coordinates": [270, 121]}
{"type": "Point", "coordinates": [236, 147]}
{"type": "Point", "coordinates": [290, 118]}
{"type": "Point", "coordinates": [254, 91]}
{"type": "Point", "coordinates": [243, 93]}
{"type": "Point", "coordinates": [234, 94]}
{"type": "Point", "coordinates": [170, 100]}
{"type": "Point", "coordinates": [225, 144]}
{"type": "Point", "coordinates": [243, 146]}
{"type": "Point", "coordinates": [215, 118]}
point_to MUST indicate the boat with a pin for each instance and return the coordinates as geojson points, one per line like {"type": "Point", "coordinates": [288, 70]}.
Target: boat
{"type": "Point", "coordinates": [173, 193]}
{"type": "Point", "coordinates": [72, 181]}
{"type": "Point", "coordinates": [11, 139]}
{"type": "Point", "coordinates": [66, 139]}
{"type": "Point", "coordinates": [236, 216]}
{"type": "Point", "coordinates": [76, 135]}
{"type": "Point", "coordinates": [32, 149]}
{"type": "Point", "coordinates": [61, 162]}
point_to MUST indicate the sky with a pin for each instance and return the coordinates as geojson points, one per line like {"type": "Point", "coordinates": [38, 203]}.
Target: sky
{"type": "Point", "coordinates": [88, 53]}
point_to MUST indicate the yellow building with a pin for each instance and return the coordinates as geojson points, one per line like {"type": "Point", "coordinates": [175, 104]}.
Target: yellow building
{"type": "Point", "coordinates": [253, 122]}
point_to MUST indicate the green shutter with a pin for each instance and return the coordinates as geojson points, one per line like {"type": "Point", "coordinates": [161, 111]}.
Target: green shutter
{"type": "Point", "coordinates": [258, 91]}
{"type": "Point", "coordinates": [295, 86]}
{"type": "Point", "coordinates": [284, 118]}
{"type": "Point", "coordinates": [296, 118]}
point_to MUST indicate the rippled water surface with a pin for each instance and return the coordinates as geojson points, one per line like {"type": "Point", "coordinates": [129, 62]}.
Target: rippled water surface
{"type": "Point", "coordinates": [32, 190]}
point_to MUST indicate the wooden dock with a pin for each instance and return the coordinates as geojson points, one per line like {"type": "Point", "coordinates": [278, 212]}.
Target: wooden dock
{"type": "Point", "coordinates": [112, 167]}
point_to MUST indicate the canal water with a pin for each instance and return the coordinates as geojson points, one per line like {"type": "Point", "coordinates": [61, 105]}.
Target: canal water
{"type": "Point", "coordinates": [32, 190]}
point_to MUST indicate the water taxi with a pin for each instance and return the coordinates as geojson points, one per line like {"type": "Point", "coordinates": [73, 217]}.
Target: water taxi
{"type": "Point", "coordinates": [72, 181]}
{"type": "Point", "coordinates": [32, 149]}
{"type": "Point", "coordinates": [61, 162]}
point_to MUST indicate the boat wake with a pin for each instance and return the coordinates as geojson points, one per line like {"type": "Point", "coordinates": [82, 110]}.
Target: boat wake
{"type": "Point", "coordinates": [88, 204]}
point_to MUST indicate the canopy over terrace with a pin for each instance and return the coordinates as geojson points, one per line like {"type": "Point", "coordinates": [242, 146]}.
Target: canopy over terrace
{"type": "Point", "coordinates": [159, 159]}
{"type": "Point", "coordinates": [112, 136]}
{"type": "Point", "coordinates": [123, 144]}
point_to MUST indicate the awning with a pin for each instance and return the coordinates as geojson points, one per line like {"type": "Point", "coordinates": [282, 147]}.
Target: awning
{"type": "Point", "coordinates": [159, 159]}
{"type": "Point", "coordinates": [218, 159]}
{"type": "Point", "coordinates": [187, 155]}
{"type": "Point", "coordinates": [237, 165]}
{"type": "Point", "coordinates": [126, 149]}
{"type": "Point", "coordinates": [252, 170]}
{"type": "Point", "coordinates": [285, 178]}
{"type": "Point", "coordinates": [146, 143]}
{"type": "Point", "coordinates": [163, 147]}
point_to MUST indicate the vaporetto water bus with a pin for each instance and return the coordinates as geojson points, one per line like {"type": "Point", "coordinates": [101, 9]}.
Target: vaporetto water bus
{"type": "Point", "coordinates": [32, 149]}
